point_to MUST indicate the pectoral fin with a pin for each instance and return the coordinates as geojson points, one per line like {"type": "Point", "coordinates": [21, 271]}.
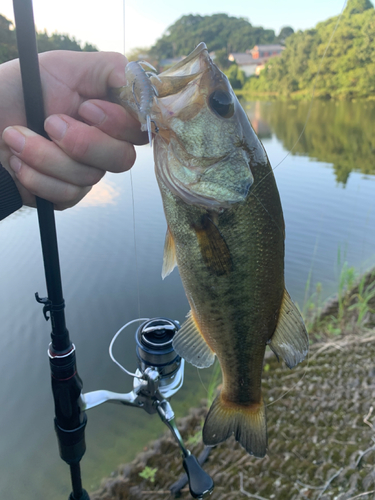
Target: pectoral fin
{"type": "Point", "coordinates": [190, 344]}
{"type": "Point", "coordinates": [169, 259]}
{"type": "Point", "coordinates": [290, 340]}
{"type": "Point", "coordinates": [213, 247]}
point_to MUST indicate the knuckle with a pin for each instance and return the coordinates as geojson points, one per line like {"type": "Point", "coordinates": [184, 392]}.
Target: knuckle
{"type": "Point", "coordinates": [71, 199]}
{"type": "Point", "coordinates": [77, 144]}
{"type": "Point", "coordinates": [130, 157]}
{"type": "Point", "coordinates": [95, 176]}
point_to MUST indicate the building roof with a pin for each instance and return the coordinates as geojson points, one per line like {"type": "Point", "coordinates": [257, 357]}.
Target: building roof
{"type": "Point", "coordinates": [269, 48]}
{"type": "Point", "coordinates": [243, 59]}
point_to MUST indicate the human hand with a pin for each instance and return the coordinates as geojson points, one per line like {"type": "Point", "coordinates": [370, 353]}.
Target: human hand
{"type": "Point", "coordinates": [89, 134]}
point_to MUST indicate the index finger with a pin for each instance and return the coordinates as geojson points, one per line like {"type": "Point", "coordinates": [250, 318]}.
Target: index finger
{"type": "Point", "coordinates": [113, 120]}
{"type": "Point", "coordinates": [88, 73]}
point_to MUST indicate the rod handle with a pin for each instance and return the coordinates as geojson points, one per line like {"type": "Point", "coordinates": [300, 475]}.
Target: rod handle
{"type": "Point", "coordinates": [200, 483]}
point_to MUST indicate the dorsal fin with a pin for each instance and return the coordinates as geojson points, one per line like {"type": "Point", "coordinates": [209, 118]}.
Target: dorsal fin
{"type": "Point", "coordinates": [290, 340]}
{"type": "Point", "coordinates": [169, 258]}
{"type": "Point", "coordinates": [190, 344]}
{"type": "Point", "coordinates": [213, 247]}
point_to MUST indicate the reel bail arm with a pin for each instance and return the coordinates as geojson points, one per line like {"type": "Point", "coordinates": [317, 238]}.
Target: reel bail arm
{"type": "Point", "coordinates": [159, 376]}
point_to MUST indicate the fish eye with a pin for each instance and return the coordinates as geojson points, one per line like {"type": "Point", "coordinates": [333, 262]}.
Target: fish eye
{"type": "Point", "coordinates": [222, 103]}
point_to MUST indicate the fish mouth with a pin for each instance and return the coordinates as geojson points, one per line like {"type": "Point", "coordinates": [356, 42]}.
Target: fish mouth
{"type": "Point", "coordinates": [193, 162]}
{"type": "Point", "coordinates": [177, 77]}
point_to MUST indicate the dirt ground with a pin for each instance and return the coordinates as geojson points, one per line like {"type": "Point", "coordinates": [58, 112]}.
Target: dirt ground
{"type": "Point", "coordinates": [321, 427]}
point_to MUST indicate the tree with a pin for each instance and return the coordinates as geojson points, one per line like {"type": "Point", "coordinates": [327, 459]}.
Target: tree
{"type": "Point", "coordinates": [8, 43]}
{"type": "Point", "coordinates": [340, 67]}
{"type": "Point", "coordinates": [235, 76]}
{"type": "Point", "coordinates": [57, 41]}
{"type": "Point", "coordinates": [357, 6]}
{"type": "Point", "coordinates": [221, 59]}
{"type": "Point", "coordinates": [284, 33]}
{"type": "Point", "coordinates": [218, 31]}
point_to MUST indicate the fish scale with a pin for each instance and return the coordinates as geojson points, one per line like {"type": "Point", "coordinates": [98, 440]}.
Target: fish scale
{"type": "Point", "coordinates": [226, 235]}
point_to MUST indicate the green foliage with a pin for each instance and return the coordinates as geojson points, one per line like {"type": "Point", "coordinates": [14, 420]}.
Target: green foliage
{"type": "Point", "coordinates": [218, 31]}
{"type": "Point", "coordinates": [357, 6]}
{"type": "Point", "coordinates": [148, 473]}
{"type": "Point", "coordinates": [8, 43]}
{"type": "Point", "coordinates": [235, 76]}
{"type": "Point", "coordinates": [57, 41]}
{"type": "Point", "coordinates": [196, 438]}
{"type": "Point", "coordinates": [346, 281]}
{"type": "Point", "coordinates": [284, 33]}
{"type": "Point", "coordinates": [351, 298]}
{"type": "Point", "coordinates": [221, 59]}
{"type": "Point", "coordinates": [216, 379]}
{"type": "Point", "coordinates": [340, 133]}
{"type": "Point", "coordinates": [347, 70]}
{"type": "Point", "coordinates": [363, 299]}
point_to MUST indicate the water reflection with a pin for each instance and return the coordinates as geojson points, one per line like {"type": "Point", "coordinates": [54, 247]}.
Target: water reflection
{"type": "Point", "coordinates": [340, 133]}
{"type": "Point", "coordinates": [102, 279]}
{"type": "Point", "coordinates": [101, 194]}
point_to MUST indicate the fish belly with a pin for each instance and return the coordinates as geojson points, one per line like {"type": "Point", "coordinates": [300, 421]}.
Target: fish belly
{"type": "Point", "coordinates": [236, 311]}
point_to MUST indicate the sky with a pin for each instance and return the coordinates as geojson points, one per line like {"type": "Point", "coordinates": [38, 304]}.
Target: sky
{"type": "Point", "coordinates": [101, 22]}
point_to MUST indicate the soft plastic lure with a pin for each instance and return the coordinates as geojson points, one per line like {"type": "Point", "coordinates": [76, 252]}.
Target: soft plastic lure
{"type": "Point", "coordinates": [143, 91]}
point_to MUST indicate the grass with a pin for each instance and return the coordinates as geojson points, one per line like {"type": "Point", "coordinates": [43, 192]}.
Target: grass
{"type": "Point", "coordinates": [149, 474]}
{"type": "Point", "coordinates": [353, 307]}
{"type": "Point", "coordinates": [215, 381]}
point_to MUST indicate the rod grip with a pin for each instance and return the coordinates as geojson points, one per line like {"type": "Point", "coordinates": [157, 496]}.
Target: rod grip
{"type": "Point", "coordinates": [200, 483]}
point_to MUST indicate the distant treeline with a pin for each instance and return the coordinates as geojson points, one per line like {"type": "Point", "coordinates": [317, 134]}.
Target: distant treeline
{"type": "Point", "coordinates": [347, 69]}
{"type": "Point", "coordinates": [338, 133]}
{"type": "Point", "coordinates": [56, 41]}
{"type": "Point", "coordinates": [218, 31]}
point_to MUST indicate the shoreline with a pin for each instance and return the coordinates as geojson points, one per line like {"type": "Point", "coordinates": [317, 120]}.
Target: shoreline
{"type": "Point", "coordinates": [304, 96]}
{"type": "Point", "coordinates": [320, 433]}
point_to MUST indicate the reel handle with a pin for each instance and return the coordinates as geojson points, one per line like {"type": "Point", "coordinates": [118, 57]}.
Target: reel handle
{"type": "Point", "coordinates": [200, 483]}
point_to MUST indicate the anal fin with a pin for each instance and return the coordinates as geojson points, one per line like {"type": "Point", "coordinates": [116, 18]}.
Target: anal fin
{"type": "Point", "coordinates": [290, 340]}
{"type": "Point", "coordinates": [190, 344]}
{"type": "Point", "coordinates": [169, 258]}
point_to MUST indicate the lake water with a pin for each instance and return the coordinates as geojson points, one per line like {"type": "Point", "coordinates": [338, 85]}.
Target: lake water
{"type": "Point", "coordinates": [327, 187]}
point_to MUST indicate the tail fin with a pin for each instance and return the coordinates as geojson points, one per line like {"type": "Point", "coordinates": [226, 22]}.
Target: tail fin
{"type": "Point", "coordinates": [247, 423]}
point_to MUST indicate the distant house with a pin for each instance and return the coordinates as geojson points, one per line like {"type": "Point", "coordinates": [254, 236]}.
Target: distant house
{"type": "Point", "coordinates": [266, 51]}
{"type": "Point", "coordinates": [252, 61]}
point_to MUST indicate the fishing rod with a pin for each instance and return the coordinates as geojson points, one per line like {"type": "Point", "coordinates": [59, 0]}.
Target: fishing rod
{"type": "Point", "coordinates": [160, 369]}
{"type": "Point", "coordinates": [70, 419]}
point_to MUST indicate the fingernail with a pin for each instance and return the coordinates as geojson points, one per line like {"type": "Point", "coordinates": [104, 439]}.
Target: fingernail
{"type": "Point", "coordinates": [92, 113]}
{"type": "Point", "coordinates": [15, 164]}
{"type": "Point", "coordinates": [55, 127]}
{"type": "Point", "coordinates": [14, 139]}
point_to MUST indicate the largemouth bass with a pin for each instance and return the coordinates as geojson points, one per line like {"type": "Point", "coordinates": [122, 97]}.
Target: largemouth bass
{"type": "Point", "coordinates": [226, 235]}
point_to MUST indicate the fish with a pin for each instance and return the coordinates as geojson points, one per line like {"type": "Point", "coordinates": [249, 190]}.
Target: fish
{"type": "Point", "coordinates": [226, 234]}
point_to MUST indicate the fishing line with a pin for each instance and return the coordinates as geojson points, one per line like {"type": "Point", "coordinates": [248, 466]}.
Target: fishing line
{"type": "Point", "coordinates": [135, 246]}
{"type": "Point", "coordinates": [312, 96]}
{"type": "Point", "coordinates": [293, 386]}
{"type": "Point", "coordinates": [132, 190]}
{"type": "Point", "coordinates": [201, 381]}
